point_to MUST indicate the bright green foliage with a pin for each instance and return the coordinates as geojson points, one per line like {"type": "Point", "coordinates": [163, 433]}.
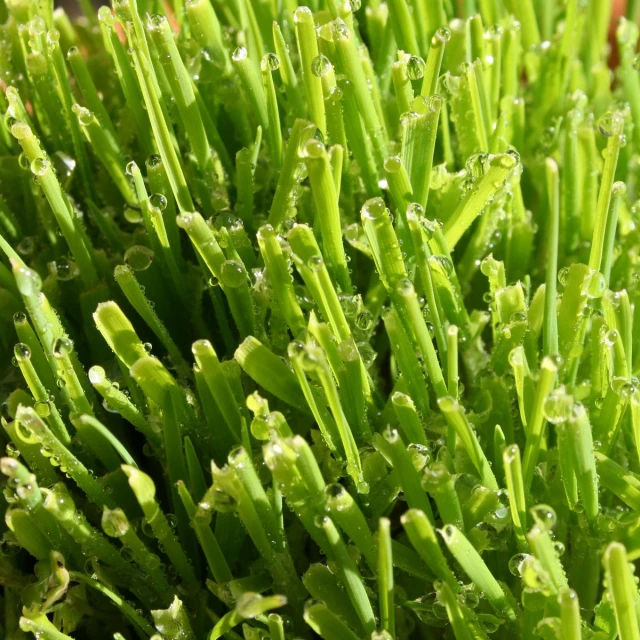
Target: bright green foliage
{"type": "Point", "coordinates": [322, 320]}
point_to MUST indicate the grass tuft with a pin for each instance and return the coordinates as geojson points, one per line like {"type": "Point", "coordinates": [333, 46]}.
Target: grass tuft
{"type": "Point", "coordinates": [319, 320]}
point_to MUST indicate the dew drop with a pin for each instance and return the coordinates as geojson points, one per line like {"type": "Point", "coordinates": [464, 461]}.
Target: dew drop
{"type": "Point", "coordinates": [415, 68]}
{"type": "Point", "coordinates": [85, 117]}
{"type": "Point", "coordinates": [40, 167]}
{"type": "Point", "coordinates": [545, 516]}
{"type": "Point", "coordinates": [42, 408]}
{"type": "Point", "coordinates": [158, 201]}
{"type": "Point", "coordinates": [610, 124]}
{"type": "Point", "coordinates": [240, 54]}
{"type": "Point", "coordinates": [270, 62]}
{"type": "Point", "coordinates": [558, 406]}
{"type": "Point", "coordinates": [233, 274]}
{"type": "Point", "coordinates": [138, 257]}
{"type": "Point", "coordinates": [320, 65]}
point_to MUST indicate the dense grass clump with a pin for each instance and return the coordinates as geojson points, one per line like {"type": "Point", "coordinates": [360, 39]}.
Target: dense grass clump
{"type": "Point", "coordinates": [319, 321]}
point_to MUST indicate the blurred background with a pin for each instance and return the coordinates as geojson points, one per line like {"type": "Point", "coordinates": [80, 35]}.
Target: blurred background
{"type": "Point", "coordinates": [620, 7]}
{"type": "Point", "coordinates": [73, 8]}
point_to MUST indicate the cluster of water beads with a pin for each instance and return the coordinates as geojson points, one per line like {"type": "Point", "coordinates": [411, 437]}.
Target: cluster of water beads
{"type": "Point", "coordinates": [85, 117]}
{"type": "Point", "coordinates": [147, 529]}
{"type": "Point", "coordinates": [421, 106]}
{"type": "Point", "coordinates": [431, 610]}
{"type": "Point", "coordinates": [356, 313]}
{"type": "Point", "coordinates": [525, 565]}
{"type": "Point", "coordinates": [17, 489]}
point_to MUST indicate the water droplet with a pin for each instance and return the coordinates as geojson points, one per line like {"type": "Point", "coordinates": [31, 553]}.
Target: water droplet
{"type": "Point", "coordinates": [415, 68]}
{"type": "Point", "coordinates": [611, 337]}
{"type": "Point", "coordinates": [320, 65]}
{"type": "Point", "coordinates": [314, 149]}
{"type": "Point", "coordinates": [443, 263]}
{"type": "Point", "coordinates": [270, 62]}
{"type": "Point", "coordinates": [152, 561]}
{"type": "Point", "coordinates": [66, 269]}
{"type": "Point", "coordinates": [545, 516]}
{"type": "Point", "coordinates": [339, 30]}
{"type": "Point", "coordinates": [443, 34]}
{"type": "Point", "coordinates": [138, 257]}
{"type": "Point", "coordinates": [105, 15]}
{"type": "Point", "coordinates": [21, 352]}
{"type": "Point", "coordinates": [12, 452]}
{"type": "Point", "coordinates": [610, 124]}
{"type": "Point", "coordinates": [344, 86]}
{"type": "Point", "coordinates": [515, 563]}
{"type": "Point", "coordinates": [563, 274]}
{"type": "Point", "coordinates": [85, 117]}
{"type": "Point", "coordinates": [374, 209]}
{"type": "Point", "coordinates": [240, 54]}
{"type": "Point", "coordinates": [114, 522]}
{"type": "Point", "coordinates": [367, 353]}
{"type": "Point", "coordinates": [233, 274]}
{"type": "Point", "coordinates": [158, 201]}
{"type": "Point", "coordinates": [20, 130]}
{"type": "Point", "coordinates": [337, 497]}
{"type": "Point", "coordinates": [558, 406]}
{"type": "Point", "coordinates": [157, 21]}
{"type": "Point", "coordinates": [172, 519]}
{"type": "Point", "coordinates": [393, 164]}
{"type": "Point", "coordinates": [133, 215]}
{"type": "Point", "coordinates": [28, 281]}
{"type": "Point", "coordinates": [62, 347]}
{"type": "Point", "coordinates": [315, 263]}
{"type": "Point", "coordinates": [404, 287]}
{"type": "Point", "coordinates": [40, 167]}
{"type": "Point", "coordinates": [594, 284]}
{"type": "Point", "coordinates": [365, 320]}
{"type": "Point", "coordinates": [27, 246]}
{"type": "Point", "coordinates": [618, 188]}
{"type": "Point", "coordinates": [146, 528]}
{"type": "Point", "coordinates": [153, 161]}
{"type": "Point", "coordinates": [43, 408]}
